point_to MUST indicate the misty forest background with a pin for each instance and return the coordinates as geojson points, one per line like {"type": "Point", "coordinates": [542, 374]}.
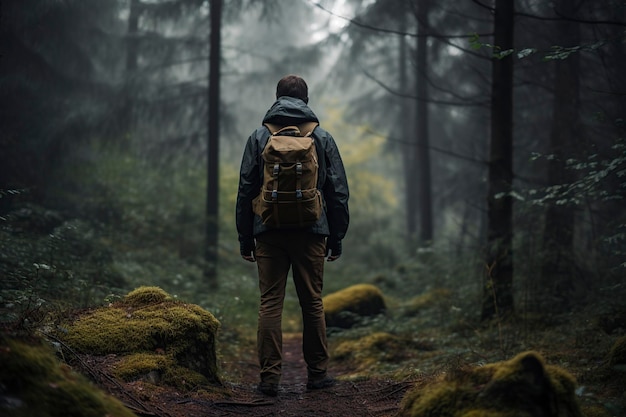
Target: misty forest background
{"type": "Point", "coordinates": [483, 141]}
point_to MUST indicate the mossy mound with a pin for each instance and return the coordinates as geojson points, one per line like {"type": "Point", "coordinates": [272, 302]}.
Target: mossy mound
{"type": "Point", "coordinates": [150, 322]}
{"type": "Point", "coordinates": [347, 307]}
{"type": "Point", "coordinates": [521, 387]}
{"type": "Point", "coordinates": [379, 348]}
{"type": "Point", "coordinates": [34, 383]}
{"type": "Point", "coordinates": [144, 296]}
{"type": "Point", "coordinates": [436, 297]}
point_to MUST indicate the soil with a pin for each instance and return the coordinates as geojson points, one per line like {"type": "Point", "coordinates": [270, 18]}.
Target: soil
{"type": "Point", "coordinates": [371, 397]}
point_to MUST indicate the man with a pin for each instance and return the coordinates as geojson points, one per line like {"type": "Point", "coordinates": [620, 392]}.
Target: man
{"type": "Point", "coordinates": [303, 249]}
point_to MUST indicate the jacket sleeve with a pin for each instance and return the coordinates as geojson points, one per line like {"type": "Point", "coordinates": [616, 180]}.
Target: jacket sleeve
{"type": "Point", "coordinates": [336, 192]}
{"type": "Point", "coordinates": [249, 187]}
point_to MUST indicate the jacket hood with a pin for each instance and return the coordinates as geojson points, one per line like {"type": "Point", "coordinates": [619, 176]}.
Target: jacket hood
{"type": "Point", "coordinates": [287, 110]}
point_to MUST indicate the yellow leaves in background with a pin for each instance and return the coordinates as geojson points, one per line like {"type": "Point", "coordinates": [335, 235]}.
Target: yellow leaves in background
{"type": "Point", "coordinates": [370, 169]}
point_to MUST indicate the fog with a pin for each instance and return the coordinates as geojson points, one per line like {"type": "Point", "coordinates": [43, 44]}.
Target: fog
{"type": "Point", "coordinates": [104, 123]}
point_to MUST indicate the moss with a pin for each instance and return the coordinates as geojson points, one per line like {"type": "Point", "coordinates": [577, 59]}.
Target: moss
{"type": "Point", "coordinates": [140, 324]}
{"type": "Point", "coordinates": [34, 383]}
{"type": "Point", "coordinates": [343, 308]}
{"type": "Point", "coordinates": [523, 386]}
{"type": "Point", "coordinates": [144, 296]}
{"type": "Point", "coordinates": [377, 353]}
{"type": "Point", "coordinates": [369, 348]}
{"type": "Point", "coordinates": [435, 297]}
{"type": "Point", "coordinates": [141, 364]}
{"type": "Point", "coordinates": [158, 369]}
{"type": "Point", "coordinates": [617, 355]}
{"type": "Point", "coordinates": [183, 378]}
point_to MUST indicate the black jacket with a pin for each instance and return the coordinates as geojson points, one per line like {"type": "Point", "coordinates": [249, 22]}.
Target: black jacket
{"type": "Point", "coordinates": [331, 178]}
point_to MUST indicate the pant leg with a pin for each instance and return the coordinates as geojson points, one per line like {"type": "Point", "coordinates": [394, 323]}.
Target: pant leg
{"type": "Point", "coordinates": [307, 257]}
{"type": "Point", "coordinates": [273, 266]}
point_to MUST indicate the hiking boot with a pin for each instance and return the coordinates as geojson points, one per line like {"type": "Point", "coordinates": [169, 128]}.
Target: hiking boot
{"type": "Point", "coordinates": [325, 382]}
{"type": "Point", "coordinates": [268, 388]}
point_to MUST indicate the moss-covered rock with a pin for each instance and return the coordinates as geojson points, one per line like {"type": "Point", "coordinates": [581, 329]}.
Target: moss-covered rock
{"type": "Point", "coordinates": [521, 387]}
{"type": "Point", "coordinates": [347, 307]}
{"type": "Point", "coordinates": [34, 383]}
{"type": "Point", "coordinates": [154, 332]}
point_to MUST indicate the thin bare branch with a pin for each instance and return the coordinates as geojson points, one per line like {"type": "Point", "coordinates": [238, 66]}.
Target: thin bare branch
{"type": "Point", "coordinates": [355, 22]}
{"type": "Point", "coordinates": [464, 103]}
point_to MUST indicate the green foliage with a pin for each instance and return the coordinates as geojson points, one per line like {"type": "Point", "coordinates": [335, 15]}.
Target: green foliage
{"type": "Point", "coordinates": [44, 258]}
{"type": "Point", "coordinates": [497, 51]}
{"type": "Point", "coordinates": [145, 227]}
{"type": "Point", "coordinates": [7, 193]}
{"type": "Point", "coordinates": [148, 213]}
{"type": "Point", "coordinates": [556, 52]}
{"type": "Point", "coordinates": [599, 179]}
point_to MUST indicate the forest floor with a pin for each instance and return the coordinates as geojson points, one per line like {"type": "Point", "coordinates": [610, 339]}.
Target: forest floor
{"type": "Point", "coordinates": [574, 342]}
{"type": "Point", "coordinates": [366, 397]}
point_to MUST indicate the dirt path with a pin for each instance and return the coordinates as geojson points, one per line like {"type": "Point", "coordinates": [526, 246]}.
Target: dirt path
{"type": "Point", "coordinates": [373, 397]}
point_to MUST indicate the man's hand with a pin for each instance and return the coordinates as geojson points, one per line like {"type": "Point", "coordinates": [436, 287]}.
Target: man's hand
{"type": "Point", "coordinates": [332, 258]}
{"type": "Point", "coordinates": [246, 249]}
{"type": "Point", "coordinates": [249, 258]}
{"type": "Point", "coordinates": [333, 249]}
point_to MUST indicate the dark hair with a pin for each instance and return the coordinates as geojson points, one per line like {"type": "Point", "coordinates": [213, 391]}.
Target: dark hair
{"type": "Point", "coordinates": [293, 86]}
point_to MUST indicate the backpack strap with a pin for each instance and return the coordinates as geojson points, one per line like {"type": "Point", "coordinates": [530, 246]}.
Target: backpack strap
{"type": "Point", "coordinates": [307, 128]}
{"type": "Point", "coordinates": [302, 130]}
{"type": "Point", "coordinates": [273, 128]}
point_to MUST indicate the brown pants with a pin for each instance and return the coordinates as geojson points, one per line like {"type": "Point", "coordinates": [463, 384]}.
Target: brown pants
{"type": "Point", "coordinates": [276, 252]}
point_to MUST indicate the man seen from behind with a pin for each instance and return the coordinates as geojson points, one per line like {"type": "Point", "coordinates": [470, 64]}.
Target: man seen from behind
{"type": "Point", "coordinates": [301, 248]}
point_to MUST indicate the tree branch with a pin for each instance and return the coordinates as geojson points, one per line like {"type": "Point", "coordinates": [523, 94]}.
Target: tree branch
{"type": "Point", "coordinates": [484, 6]}
{"type": "Point", "coordinates": [430, 147]}
{"type": "Point", "coordinates": [468, 102]}
{"type": "Point", "coordinates": [355, 22]}
{"type": "Point", "coordinates": [562, 17]}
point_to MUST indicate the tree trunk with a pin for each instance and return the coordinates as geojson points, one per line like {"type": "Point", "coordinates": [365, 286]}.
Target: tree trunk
{"type": "Point", "coordinates": [126, 114]}
{"type": "Point", "coordinates": [405, 120]}
{"type": "Point", "coordinates": [498, 283]}
{"type": "Point", "coordinates": [210, 272]}
{"type": "Point", "coordinates": [558, 262]}
{"type": "Point", "coordinates": [423, 148]}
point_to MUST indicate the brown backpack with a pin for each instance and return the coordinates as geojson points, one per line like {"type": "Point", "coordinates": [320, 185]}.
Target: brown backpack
{"type": "Point", "coordinates": [289, 196]}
